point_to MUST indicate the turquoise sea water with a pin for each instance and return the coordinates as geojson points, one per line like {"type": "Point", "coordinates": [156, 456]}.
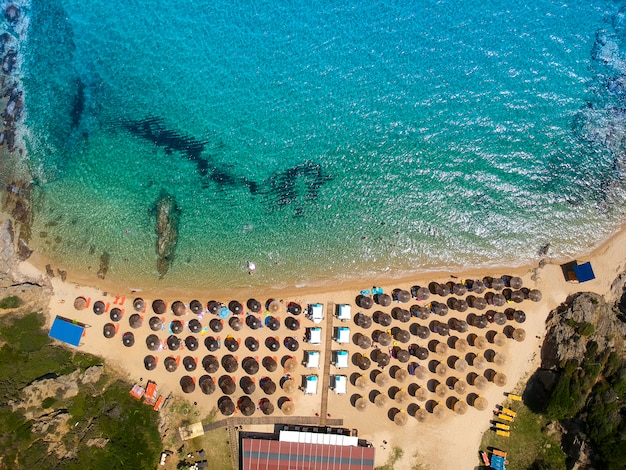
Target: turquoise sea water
{"type": "Point", "coordinates": [323, 139]}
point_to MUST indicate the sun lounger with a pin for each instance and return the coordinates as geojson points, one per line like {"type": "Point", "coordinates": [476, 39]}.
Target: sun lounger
{"type": "Point", "coordinates": [504, 427]}
{"type": "Point", "coordinates": [159, 403]}
{"type": "Point", "coordinates": [505, 417]}
{"type": "Point", "coordinates": [499, 453]}
{"type": "Point", "coordinates": [503, 433]}
{"type": "Point", "coordinates": [509, 412]}
{"type": "Point", "coordinates": [365, 292]}
{"type": "Point", "coordinates": [514, 397]}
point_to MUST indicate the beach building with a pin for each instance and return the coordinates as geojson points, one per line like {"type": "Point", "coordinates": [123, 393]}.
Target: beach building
{"type": "Point", "coordinates": [310, 384]}
{"type": "Point", "coordinates": [314, 335]}
{"type": "Point", "coordinates": [316, 313]}
{"type": "Point", "coordinates": [312, 359]}
{"type": "Point", "coordinates": [297, 449]}
{"type": "Point", "coordinates": [344, 312]}
{"type": "Point", "coordinates": [342, 335]}
{"type": "Point", "coordinates": [340, 359]}
{"type": "Point", "coordinates": [339, 383]}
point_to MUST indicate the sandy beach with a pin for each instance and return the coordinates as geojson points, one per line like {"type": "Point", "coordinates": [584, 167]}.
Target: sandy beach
{"type": "Point", "coordinates": [423, 441]}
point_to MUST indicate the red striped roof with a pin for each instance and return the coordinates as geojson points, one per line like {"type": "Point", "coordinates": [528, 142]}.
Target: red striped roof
{"type": "Point", "coordinates": [264, 454]}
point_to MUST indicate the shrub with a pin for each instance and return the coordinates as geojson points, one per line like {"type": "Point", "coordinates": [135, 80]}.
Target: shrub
{"type": "Point", "coordinates": [12, 301]}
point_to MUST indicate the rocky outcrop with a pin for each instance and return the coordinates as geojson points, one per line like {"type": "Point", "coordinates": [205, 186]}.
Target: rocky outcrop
{"type": "Point", "coordinates": [583, 318]}
{"type": "Point", "coordinates": [581, 334]}
{"type": "Point", "coordinates": [33, 395]}
{"type": "Point", "coordinates": [34, 292]}
{"type": "Point", "coordinates": [167, 217]}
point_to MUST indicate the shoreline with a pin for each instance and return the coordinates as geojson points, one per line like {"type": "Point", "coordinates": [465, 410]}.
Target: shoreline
{"type": "Point", "coordinates": [608, 261]}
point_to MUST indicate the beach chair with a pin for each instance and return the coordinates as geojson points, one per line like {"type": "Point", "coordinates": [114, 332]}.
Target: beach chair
{"type": "Point", "coordinates": [159, 403]}
{"type": "Point", "coordinates": [505, 417]}
{"type": "Point", "coordinates": [365, 292]}
{"type": "Point", "coordinates": [503, 433]}
{"type": "Point", "coordinates": [509, 412]}
{"type": "Point", "coordinates": [504, 427]}
{"type": "Point", "coordinates": [499, 453]}
{"type": "Point", "coordinates": [514, 397]}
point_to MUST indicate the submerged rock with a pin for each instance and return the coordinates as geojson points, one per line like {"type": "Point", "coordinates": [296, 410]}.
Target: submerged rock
{"type": "Point", "coordinates": [167, 217]}
{"type": "Point", "coordinates": [105, 261]}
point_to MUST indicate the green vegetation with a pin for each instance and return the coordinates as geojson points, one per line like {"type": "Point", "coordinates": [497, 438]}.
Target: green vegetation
{"type": "Point", "coordinates": [396, 454]}
{"type": "Point", "coordinates": [528, 444]}
{"type": "Point", "coordinates": [582, 328]}
{"type": "Point", "coordinates": [12, 301]}
{"type": "Point", "coordinates": [104, 410]}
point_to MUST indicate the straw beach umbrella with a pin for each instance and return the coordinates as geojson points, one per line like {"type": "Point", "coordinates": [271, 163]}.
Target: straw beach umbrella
{"type": "Point", "coordinates": [364, 302]}
{"type": "Point", "coordinates": [423, 332]}
{"type": "Point", "coordinates": [382, 337]}
{"type": "Point", "coordinates": [194, 326]}
{"type": "Point", "coordinates": [207, 385]}
{"type": "Point", "coordinates": [128, 339]}
{"type": "Point", "coordinates": [235, 307]}
{"type": "Point", "coordinates": [422, 293]}
{"type": "Point", "coordinates": [401, 397]}
{"type": "Point", "coordinates": [291, 343]}
{"type": "Point", "coordinates": [401, 418]}
{"type": "Point", "coordinates": [176, 327]}
{"type": "Point", "coordinates": [191, 343]}
{"type": "Point", "coordinates": [381, 400]}
{"type": "Point", "coordinates": [216, 325]}
{"type": "Point", "coordinates": [251, 343]}
{"type": "Point", "coordinates": [170, 363]}
{"type": "Point", "coordinates": [231, 343]}
{"type": "Point", "coordinates": [480, 342]}
{"type": "Point", "coordinates": [364, 342]}
{"type": "Point", "coordinates": [361, 382]}
{"type": "Point", "coordinates": [210, 363]}
{"type": "Point", "coordinates": [187, 384]}
{"type": "Point", "coordinates": [290, 363]}
{"type": "Point", "coordinates": [421, 394]}
{"type": "Point", "coordinates": [109, 330]}
{"type": "Point", "coordinates": [461, 345]}
{"type": "Point", "coordinates": [460, 407]}
{"type": "Point", "coordinates": [516, 283]}
{"type": "Point", "coordinates": [401, 295]}
{"type": "Point", "coordinates": [212, 343]}
{"type": "Point", "coordinates": [226, 406]}
{"type": "Point", "coordinates": [115, 314]}
{"type": "Point", "coordinates": [80, 303]}
{"type": "Point", "coordinates": [519, 316]}
{"type": "Point", "coordinates": [421, 353]}
{"type": "Point", "coordinates": [254, 305]}
{"type": "Point", "coordinates": [229, 363]}
{"type": "Point", "coordinates": [189, 363]}
{"type": "Point", "coordinates": [480, 382]}
{"type": "Point", "coordinates": [292, 323]}
{"type": "Point", "coordinates": [362, 320]}
{"type": "Point", "coordinates": [535, 295]}
{"type": "Point", "coordinates": [499, 359]}
{"type": "Point", "coordinates": [383, 299]}
{"type": "Point", "coordinates": [401, 375]}
{"type": "Point", "coordinates": [294, 308]}
{"type": "Point", "coordinates": [401, 314]}
{"type": "Point", "coordinates": [289, 385]}
{"type": "Point", "coordinates": [460, 387]}
{"type": "Point", "coordinates": [155, 323]}
{"type": "Point", "coordinates": [213, 306]}
{"type": "Point", "coordinates": [272, 344]}
{"type": "Point", "coordinates": [235, 323]}
{"type": "Point", "coordinates": [178, 308]}
{"type": "Point", "coordinates": [159, 307]}
{"type": "Point", "coordinates": [272, 323]}
{"type": "Point", "coordinates": [481, 403]}
{"type": "Point", "coordinates": [360, 404]}
{"type": "Point", "coordinates": [361, 361]}
{"type": "Point", "coordinates": [401, 335]}
{"type": "Point", "coordinates": [288, 407]}
{"type": "Point", "coordinates": [267, 385]}
{"type": "Point", "coordinates": [253, 322]}
{"type": "Point", "coordinates": [269, 363]}
{"type": "Point", "coordinates": [195, 306]}
{"type": "Point", "coordinates": [479, 362]}
{"type": "Point", "coordinates": [382, 379]}
{"type": "Point", "coordinates": [441, 369]}
{"type": "Point", "coordinates": [99, 307]}
{"type": "Point", "coordinates": [460, 365]}
{"type": "Point", "coordinates": [421, 415]}
{"type": "Point", "coordinates": [274, 306]}
{"type": "Point", "coordinates": [499, 379]}
{"type": "Point", "coordinates": [499, 339]}
{"type": "Point", "coordinates": [227, 384]}
{"type": "Point", "coordinates": [153, 343]}
{"type": "Point", "coordinates": [519, 334]}
{"type": "Point", "coordinates": [250, 365]}
{"type": "Point", "coordinates": [266, 406]}
{"type": "Point", "coordinates": [383, 319]}
{"type": "Point", "coordinates": [402, 355]}
{"type": "Point", "coordinates": [150, 362]}
{"type": "Point", "coordinates": [247, 385]}
{"type": "Point", "coordinates": [421, 372]}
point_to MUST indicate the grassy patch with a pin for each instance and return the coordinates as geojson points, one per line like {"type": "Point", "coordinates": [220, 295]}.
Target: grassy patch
{"type": "Point", "coordinates": [130, 427]}
{"type": "Point", "coordinates": [528, 442]}
{"type": "Point", "coordinates": [396, 454]}
{"type": "Point", "coordinates": [12, 301]}
{"type": "Point", "coordinates": [216, 446]}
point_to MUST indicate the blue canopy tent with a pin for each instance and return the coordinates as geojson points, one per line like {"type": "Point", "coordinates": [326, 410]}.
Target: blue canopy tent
{"type": "Point", "coordinates": [584, 272]}
{"type": "Point", "coordinates": [66, 330]}
{"type": "Point", "coordinates": [575, 272]}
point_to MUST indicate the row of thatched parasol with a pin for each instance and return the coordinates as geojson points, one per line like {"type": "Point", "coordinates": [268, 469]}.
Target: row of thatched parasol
{"type": "Point", "coordinates": [497, 299]}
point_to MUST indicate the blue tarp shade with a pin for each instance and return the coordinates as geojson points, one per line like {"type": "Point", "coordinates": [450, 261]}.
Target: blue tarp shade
{"type": "Point", "coordinates": [584, 272]}
{"type": "Point", "coordinates": [66, 331]}
{"type": "Point", "coordinates": [497, 462]}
